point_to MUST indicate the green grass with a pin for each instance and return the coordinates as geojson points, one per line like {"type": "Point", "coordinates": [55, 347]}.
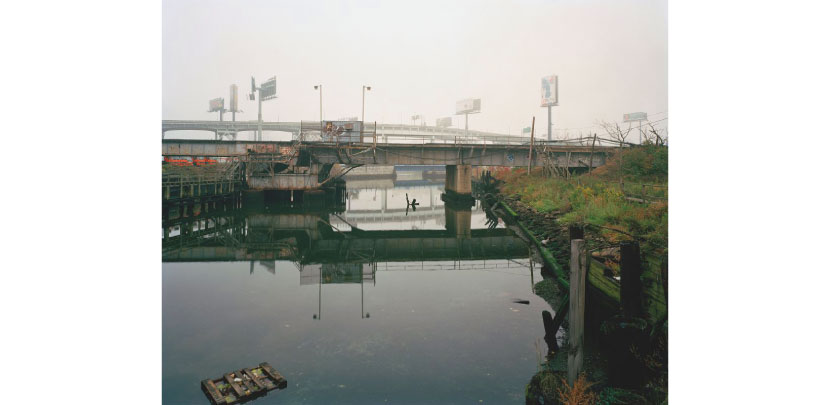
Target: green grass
{"type": "Point", "coordinates": [597, 199]}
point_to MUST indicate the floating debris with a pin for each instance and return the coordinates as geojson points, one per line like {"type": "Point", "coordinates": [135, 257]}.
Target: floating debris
{"type": "Point", "coordinates": [243, 385]}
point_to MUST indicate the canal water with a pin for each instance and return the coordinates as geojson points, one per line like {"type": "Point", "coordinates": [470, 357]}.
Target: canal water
{"type": "Point", "coordinates": [354, 300]}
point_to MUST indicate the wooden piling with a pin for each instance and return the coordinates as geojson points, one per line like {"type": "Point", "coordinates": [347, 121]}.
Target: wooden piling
{"type": "Point", "coordinates": [576, 232]}
{"type": "Point", "coordinates": [576, 323]}
{"type": "Point", "coordinates": [631, 286]}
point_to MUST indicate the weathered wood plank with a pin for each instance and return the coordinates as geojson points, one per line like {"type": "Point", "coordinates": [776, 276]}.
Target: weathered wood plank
{"type": "Point", "coordinates": [261, 384]}
{"type": "Point", "coordinates": [215, 396]}
{"type": "Point", "coordinates": [281, 381]}
{"type": "Point", "coordinates": [235, 386]}
{"type": "Point", "coordinates": [576, 323]}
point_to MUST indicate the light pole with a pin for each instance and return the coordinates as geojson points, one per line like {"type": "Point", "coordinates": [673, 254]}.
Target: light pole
{"type": "Point", "coordinates": [363, 109]}
{"type": "Point", "coordinates": [320, 87]}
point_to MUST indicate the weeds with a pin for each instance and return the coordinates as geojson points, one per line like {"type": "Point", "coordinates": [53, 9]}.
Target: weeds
{"type": "Point", "coordinates": [578, 394]}
{"type": "Point", "coordinates": [590, 200]}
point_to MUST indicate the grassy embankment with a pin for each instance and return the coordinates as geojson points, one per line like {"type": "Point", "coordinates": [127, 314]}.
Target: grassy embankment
{"type": "Point", "coordinates": [597, 199]}
{"type": "Point", "coordinates": [611, 213]}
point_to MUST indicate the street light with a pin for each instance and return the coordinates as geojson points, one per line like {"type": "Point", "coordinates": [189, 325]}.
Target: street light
{"type": "Point", "coordinates": [363, 109]}
{"type": "Point", "coordinates": [320, 87]}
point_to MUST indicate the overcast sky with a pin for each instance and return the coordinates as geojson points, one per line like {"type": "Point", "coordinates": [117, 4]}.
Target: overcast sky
{"type": "Point", "coordinates": [420, 57]}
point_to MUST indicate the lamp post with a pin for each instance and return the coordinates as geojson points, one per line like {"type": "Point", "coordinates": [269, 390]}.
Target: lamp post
{"type": "Point", "coordinates": [320, 87]}
{"type": "Point", "coordinates": [363, 109]}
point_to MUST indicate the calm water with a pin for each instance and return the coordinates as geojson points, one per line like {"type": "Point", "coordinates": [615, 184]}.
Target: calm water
{"type": "Point", "coordinates": [413, 307]}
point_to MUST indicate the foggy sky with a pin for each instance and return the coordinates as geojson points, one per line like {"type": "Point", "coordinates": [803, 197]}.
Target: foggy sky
{"type": "Point", "coordinates": [420, 57]}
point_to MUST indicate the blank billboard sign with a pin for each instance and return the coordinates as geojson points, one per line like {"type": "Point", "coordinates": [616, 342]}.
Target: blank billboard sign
{"type": "Point", "coordinates": [468, 106]}
{"type": "Point", "coordinates": [637, 116]}
{"type": "Point", "coordinates": [443, 122]}
{"type": "Point", "coordinates": [550, 91]}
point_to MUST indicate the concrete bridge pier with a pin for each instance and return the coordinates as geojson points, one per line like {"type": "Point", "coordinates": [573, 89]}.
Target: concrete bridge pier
{"type": "Point", "coordinates": [459, 179]}
{"type": "Point", "coordinates": [458, 221]}
{"type": "Point", "coordinates": [458, 186]}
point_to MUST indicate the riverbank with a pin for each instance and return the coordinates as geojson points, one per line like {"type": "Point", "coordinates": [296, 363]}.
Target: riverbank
{"type": "Point", "coordinates": [625, 200]}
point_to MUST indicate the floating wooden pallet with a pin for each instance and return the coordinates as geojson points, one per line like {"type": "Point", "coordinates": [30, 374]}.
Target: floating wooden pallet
{"type": "Point", "coordinates": [243, 385]}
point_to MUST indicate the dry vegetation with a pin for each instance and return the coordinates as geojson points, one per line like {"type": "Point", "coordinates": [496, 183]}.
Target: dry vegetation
{"type": "Point", "coordinates": [598, 198]}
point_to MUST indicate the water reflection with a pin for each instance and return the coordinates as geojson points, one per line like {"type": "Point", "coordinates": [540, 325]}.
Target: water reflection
{"type": "Point", "coordinates": [434, 290]}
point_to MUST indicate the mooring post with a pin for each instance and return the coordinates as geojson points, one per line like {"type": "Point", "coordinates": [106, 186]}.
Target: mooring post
{"type": "Point", "coordinates": [576, 322]}
{"type": "Point", "coordinates": [576, 232]}
{"type": "Point", "coordinates": [631, 287]}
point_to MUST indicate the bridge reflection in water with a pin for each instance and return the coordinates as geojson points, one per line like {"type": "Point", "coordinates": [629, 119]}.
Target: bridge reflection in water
{"type": "Point", "coordinates": [333, 244]}
{"type": "Point", "coordinates": [359, 282]}
{"type": "Point", "coordinates": [327, 234]}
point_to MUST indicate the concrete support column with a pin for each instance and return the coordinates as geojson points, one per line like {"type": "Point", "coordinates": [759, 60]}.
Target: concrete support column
{"type": "Point", "coordinates": [458, 221]}
{"type": "Point", "coordinates": [459, 179]}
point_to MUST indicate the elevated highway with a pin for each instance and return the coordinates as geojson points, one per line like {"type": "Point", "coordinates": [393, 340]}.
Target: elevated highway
{"type": "Point", "coordinates": [385, 133]}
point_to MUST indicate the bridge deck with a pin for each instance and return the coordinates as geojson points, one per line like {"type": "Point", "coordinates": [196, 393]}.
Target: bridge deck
{"type": "Point", "coordinates": [396, 154]}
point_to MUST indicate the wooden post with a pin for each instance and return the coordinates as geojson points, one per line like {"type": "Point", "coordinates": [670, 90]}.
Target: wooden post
{"type": "Point", "coordinates": [530, 154]}
{"type": "Point", "coordinates": [576, 323]}
{"type": "Point", "coordinates": [631, 287]}
{"type": "Point", "coordinates": [591, 159]}
{"type": "Point", "coordinates": [576, 232]}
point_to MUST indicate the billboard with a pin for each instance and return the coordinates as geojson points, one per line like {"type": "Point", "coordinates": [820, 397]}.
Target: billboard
{"type": "Point", "coordinates": [468, 106]}
{"type": "Point", "coordinates": [269, 89]}
{"type": "Point", "coordinates": [217, 104]}
{"type": "Point", "coordinates": [234, 98]}
{"type": "Point", "coordinates": [550, 91]}
{"type": "Point", "coordinates": [526, 130]}
{"type": "Point", "coordinates": [637, 116]}
{"type": "Point", "coordinates": [443, 122]}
